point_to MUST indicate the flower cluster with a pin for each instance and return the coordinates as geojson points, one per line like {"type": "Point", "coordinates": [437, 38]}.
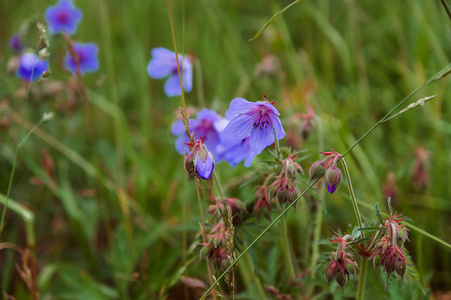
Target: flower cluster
{"type": "Point", "coordinates": [388, 251]}
{"type": "Point", "coordinates": [63, 18]}
{"type": "Point", "coordinates": [214, 249]}
{"type": "Point", "coordinates": [327, 166]}
{"type": "Point", "coordinates": [220, 138]}
{"type": "Point", "coordinates": [284, 188]}
{"type": "Point", "coordinates": [237, 207]}
{"type": "Point", "coordinates": [262, 206]}
{"type": "Point", "coordinates": [342, 263]}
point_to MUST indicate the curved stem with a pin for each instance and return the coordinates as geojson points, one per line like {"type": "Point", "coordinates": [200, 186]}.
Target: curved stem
{"type": "Point", "coordinates": [351, 192]}
{"type": "Point", "coordinates": [362, 278]}
{"type": "Point", "coordinates": [286, 249]}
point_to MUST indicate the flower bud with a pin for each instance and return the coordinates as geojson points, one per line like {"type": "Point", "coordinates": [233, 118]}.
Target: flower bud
{"type": "Point", "coordinates": [204, 164]}
{"type": "Point", "coordinates": [317, 170]}
{"type": "Point", "coordinates": [189, 164]}
{"type": "Point", "coordinates": [333, 179]}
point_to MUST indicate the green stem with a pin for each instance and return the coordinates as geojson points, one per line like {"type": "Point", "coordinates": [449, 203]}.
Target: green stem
{"type": "Point", "coordinates": [286, 249]}
{"type": "Point", "coordinates": [351, 192]}
{"type": "Point", "coordinates": [218, 186]}
{"type": "Point", "coordinates": [255, 278]}
{"type": "Point", "coordinates": [447, 9]}
{"type": "Point", "coordinates": [26, 214]}
{"type": "Point", "coordinates": [362, 278]}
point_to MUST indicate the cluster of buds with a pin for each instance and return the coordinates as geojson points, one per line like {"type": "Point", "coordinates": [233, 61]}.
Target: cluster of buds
{"type": "Point", "coordinates": [389, 250]}
{"type": "Point", "coordinates": [284, 188]}
{"type": "Point", "coordinates": [262, 206]}
{"type": "Point", "coordinates": [342, 263]}
{"type": "Point", "coordinates": [215, 247]}
{"type": "Point", "coordinates": [199, 161]}
{"type": "Point", "coordinates": [237, 207]}
{"type": "Point", "coordinates": [329, 167]}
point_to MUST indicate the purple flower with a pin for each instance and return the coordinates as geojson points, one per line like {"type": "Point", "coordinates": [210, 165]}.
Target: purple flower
{"type": "Point", "coordinates": [30, 67]}
{"type": "Point", "coordinates": [206, 126]}
{"type": "Point", "coordinates": [235, 151]}
{"type": "Point", "coordinates": [259, 119]}
{"type": "Point", "coordinates": [163, 64]}
{"type": "Point", "coordinates": [333, 178]}
{"type": "Point", "coordinates": [16, 44]}
{"type": "Point", "coordinates": [87, 58]}
{"type": "Point", "coordinates": [204, 164]}
{"type": "Point", "coordinates": [63, 17]}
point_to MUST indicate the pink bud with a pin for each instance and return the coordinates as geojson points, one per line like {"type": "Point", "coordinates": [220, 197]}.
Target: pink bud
{"type": "Point", "coordinates": [317, 170]}
{"type": "Point", "coordinates": [333, 179]}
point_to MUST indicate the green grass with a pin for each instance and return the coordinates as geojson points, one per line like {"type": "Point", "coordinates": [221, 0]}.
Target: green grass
{"type": "Point", "coordinates": [361, 57]}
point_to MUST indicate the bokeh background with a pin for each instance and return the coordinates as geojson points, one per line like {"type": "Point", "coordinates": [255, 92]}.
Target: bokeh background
{"type": "Point", "coordinates": [116, 217]}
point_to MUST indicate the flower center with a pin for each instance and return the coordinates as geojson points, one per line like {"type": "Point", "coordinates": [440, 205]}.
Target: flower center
{"type": "Point", "coordinates": [62, 17]}
{"type": "Point", "coordinates": [263, 120]}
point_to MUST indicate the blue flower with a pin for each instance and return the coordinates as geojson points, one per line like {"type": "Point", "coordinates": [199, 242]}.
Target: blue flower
{"type": "Point", "coordinates": [204, 164]}
{"type": "Point", "coordinates": [63, 17]}
{"type": "Point", "coordinates": [207, 126]}
{"type": "Point", "coordinates": [163, 64]}
{"type": "Point", "coordinates": [30, 67]}
{"type": "Point", "coordinates": [258, 120]}
{"type": "Point", "coordinates": [87, 58]}
{"type": "Point", "coordinates": [236, 151]}
{"type": "Point", "coordinates": [16, 43]}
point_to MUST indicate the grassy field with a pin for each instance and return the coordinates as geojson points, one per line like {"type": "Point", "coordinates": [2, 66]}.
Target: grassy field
{"type": "Point", "coordinates": [105, 208]}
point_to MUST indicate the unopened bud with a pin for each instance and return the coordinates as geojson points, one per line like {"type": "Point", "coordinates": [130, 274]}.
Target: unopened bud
{"type": "Point", "coordinates": [317, 170]}
{"type": "Point", "coordinates": [333, 179]}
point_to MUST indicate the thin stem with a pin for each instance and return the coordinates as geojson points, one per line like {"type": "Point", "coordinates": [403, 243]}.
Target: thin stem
{"type": "Point", "coordinates": [16, 151]}
{"type": "Point", "coordinates": [204, 240]}
{"type": "Point", "coordinates": [286, 249]}
{"type": "Point", "coordinates": [447, 9]}
{"type": "Point", "coordinates": [351, 192]}
{"type": "Point", "coordinates": [185, 116]}
{"type": "Point", "coordinates": [218, 186]}
{"type": "Point", "coordinates": [362, 278]}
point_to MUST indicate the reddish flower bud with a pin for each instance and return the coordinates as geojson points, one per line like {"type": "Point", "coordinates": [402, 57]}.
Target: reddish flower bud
{"type": "Point", "coordinates": [333, 179]}
{"type": "Point", "coordinates": [317, 170]}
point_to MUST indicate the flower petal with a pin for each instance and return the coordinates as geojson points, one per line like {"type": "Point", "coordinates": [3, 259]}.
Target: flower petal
{"type": "Point", "coordinates": [162, 64]}
{"type": "Point", "coordinates": [240, 127]}
{"type": "Point", "coordinates": [172, 86]}
{"type": "Point", "coordinates": [239, 106]}
{"type": "Point", "coordinates": [204, 168]}
{"type": "Point", "coordinates": [187, 73]}
{"type": "Point", "coordinates": [277, 125]}
{"type": "Point", "coordinates": [261, 138]}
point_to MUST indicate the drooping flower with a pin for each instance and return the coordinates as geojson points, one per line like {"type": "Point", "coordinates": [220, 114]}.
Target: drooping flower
{"type": "Point", "coordinates": [258, 120]}
{"type": "Point", "coordinates": [199, 161]}
{"type": "Point", "coordinates": [333, 178]}
{"type": "Point", "coordinates": [164, 64]}
{"type": "Point", "coordinates": [204, 164]}
{"type": "Point", "coordinates": [63, 17]}
{"type": "Point", "coordinates": [30, 67]}
{"type": "Point", "coordinates": [86, 60]}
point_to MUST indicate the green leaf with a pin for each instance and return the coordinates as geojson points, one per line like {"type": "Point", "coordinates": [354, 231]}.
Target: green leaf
{"type": "Point", "coordinates": [273, 18]}
{"type": "Point", "coordinates": [378, 213]}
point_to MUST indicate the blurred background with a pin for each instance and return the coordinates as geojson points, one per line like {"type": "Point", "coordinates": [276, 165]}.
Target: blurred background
{"type": "Point", "coordinates": [114, 214]}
